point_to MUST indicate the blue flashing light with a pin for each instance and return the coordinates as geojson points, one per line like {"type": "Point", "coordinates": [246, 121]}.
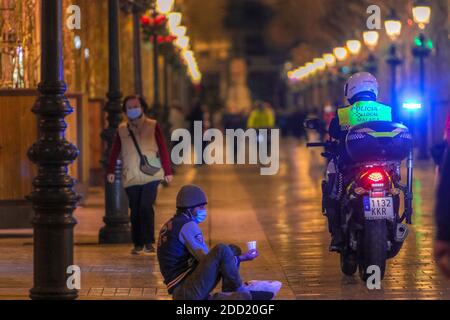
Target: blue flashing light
{"type": "Point", "coordinates": [412, 105]}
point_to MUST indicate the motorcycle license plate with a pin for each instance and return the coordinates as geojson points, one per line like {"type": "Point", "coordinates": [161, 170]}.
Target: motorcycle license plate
{"type": "Point", "coordinates": [378, 208]}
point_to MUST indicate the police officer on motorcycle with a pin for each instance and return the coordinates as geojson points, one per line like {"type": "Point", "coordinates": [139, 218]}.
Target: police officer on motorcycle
{"type": "Point", "coordinates": [361, 91]}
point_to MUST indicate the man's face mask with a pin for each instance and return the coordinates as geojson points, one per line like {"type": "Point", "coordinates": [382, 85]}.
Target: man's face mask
{"type": "Point", "coordinates": [200, 216]}
{"type": "Point", "coordinates": [134, 113]}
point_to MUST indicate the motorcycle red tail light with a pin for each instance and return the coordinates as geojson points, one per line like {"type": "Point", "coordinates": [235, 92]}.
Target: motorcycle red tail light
{"type": "Point", "coordinates": [374, 179]}
{"type": "Point", "coordinates": [376, 176]}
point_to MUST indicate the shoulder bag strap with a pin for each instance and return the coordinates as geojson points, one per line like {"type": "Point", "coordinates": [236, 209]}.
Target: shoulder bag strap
{"type": "Point", "coordinates": [134, 140]}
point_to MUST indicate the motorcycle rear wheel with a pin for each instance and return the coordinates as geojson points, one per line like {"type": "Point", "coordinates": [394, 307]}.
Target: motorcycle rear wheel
{"type": "Point", "coordinates": [374, 246]}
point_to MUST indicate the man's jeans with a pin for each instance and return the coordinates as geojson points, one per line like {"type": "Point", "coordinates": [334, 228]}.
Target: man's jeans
{"type": "Point", "coordinates": [218, 263]}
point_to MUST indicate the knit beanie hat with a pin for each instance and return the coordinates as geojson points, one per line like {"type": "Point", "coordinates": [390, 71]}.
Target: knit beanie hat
{"type": "Point", "coordinates": [191, 196]}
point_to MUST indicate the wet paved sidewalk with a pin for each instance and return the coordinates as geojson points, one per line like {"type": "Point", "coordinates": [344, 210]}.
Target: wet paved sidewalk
{"type": "Point", "coordinates": [281, 212]}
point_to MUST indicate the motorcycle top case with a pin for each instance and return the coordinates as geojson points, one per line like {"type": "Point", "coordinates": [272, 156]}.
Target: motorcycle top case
{"type": "Point", "coordinates": [378, 141]}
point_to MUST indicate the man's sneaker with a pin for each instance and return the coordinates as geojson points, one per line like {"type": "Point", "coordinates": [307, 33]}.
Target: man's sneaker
{"type": "Point", "coordinates": [137, 250]}
{"type": "Point", "coordinates": [263, 290]}
{"type": "Point", "coordinates": [149, 249]}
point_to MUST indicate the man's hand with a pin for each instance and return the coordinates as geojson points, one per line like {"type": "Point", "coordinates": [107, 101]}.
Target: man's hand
{"type": "Point", "coordinates": [249, 256]}
{"type": "Point", "coordinates": [168, 179]}
{"type": "Point", "coordinates": [111, 178]}
{"type": "Point", "coordinates": [442, 256]}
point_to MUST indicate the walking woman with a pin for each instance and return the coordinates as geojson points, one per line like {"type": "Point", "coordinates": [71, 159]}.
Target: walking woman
{"type": "Point", "coordinates": [145, 162]}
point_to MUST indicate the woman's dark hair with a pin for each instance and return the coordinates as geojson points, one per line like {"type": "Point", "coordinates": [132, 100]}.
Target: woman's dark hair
{"type": "Point", "coordinates": [142, 102]}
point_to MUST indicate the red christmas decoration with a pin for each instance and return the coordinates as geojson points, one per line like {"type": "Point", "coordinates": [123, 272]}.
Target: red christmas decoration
{"type": "Point", "coordinates": [146, 20]}
{"type": "Point", "coordinates": [163, 39]}
{"type": "Point", "coordinates": [160, 19]}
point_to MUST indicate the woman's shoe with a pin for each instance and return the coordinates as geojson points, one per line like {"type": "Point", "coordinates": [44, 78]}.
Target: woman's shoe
{"type": "Point", "coordinates": [137, 250]}
{"type": "Point", "coordinates": [149, 249]}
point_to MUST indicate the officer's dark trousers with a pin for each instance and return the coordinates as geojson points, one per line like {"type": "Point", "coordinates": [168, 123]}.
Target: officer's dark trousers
{"type": "Point", "coordinates": [141, 200]}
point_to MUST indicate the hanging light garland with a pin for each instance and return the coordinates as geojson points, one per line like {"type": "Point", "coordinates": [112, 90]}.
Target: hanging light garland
{"type": "Point", "coordinates": [171, 36]}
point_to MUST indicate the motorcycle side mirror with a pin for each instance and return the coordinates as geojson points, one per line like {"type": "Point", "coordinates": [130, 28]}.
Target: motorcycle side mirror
{"type": "Point", "coordinates": [313, 124]}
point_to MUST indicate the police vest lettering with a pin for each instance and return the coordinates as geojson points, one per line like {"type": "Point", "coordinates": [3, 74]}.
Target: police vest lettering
{"type": "Point", "coordinates": [363, 111]}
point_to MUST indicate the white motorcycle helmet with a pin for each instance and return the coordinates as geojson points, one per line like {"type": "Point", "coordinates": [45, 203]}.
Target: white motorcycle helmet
{"type": "Point", "coordinates": [361, 86]}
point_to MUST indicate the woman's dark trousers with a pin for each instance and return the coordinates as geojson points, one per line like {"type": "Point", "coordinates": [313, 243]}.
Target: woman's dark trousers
{"type": "Point", "coordinates": [141, 199]}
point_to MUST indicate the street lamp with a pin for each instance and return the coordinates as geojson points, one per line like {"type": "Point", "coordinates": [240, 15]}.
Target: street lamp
{"type": "Point", "coordinates": [330, 60]}
{"type": "Point", "coordinates": [320, 64]}
{"type": "Point", "coordinates": [393, 27]}
{"type": "Point", "coordinates": [371, 39]}
{"type": "Point", "coordinates": [354, 47]}
{"type": "Point", "coordinates": [340, 53]}
{"type": "Point", "coordinates": [421, 13]}
{"type": "Point", "coordinates": [422, 49]}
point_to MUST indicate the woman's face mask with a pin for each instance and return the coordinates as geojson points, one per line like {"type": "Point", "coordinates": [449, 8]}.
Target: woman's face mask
{"type": "Point", "coordinates": [134, 113]}
{"type": "Point", "coordinates": [134, 109]}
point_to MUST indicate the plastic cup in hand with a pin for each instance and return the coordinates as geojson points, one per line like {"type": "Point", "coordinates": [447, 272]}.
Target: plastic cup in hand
{"type": "Point", "coordinates": [251, 245]}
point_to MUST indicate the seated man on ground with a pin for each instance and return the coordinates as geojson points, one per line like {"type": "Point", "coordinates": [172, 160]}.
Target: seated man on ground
{"type": "Point", "coordinates": [191, 271]}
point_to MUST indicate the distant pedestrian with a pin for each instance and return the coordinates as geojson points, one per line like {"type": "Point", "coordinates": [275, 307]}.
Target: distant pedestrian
{"type": "Point", "coordinates": [198, 114]}
{"type": "Point", "coordinates": [145, 162]}
{"type": "Point", "coordinates": [262, 116]}
{"type": "Point", "coordinates": [177, 117]}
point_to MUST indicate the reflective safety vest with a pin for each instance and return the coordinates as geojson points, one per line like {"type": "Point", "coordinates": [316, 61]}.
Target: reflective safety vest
{"type": "Point", "coordinates": [363, 111]}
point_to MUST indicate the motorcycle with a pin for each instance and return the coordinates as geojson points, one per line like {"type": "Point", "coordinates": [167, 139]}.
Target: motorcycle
{"type": "Point", "coordinates": [368, 191]}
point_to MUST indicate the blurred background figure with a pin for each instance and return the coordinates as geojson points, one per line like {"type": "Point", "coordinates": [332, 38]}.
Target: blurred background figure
{"type": "Point", "coordinates": [329, 112]}
{"type": "Point", "coordinates": [196, 114]}
{"type": "Point", "coordinates": [177, 117]}
{"type": "Point", "coordinates": [261, 117]}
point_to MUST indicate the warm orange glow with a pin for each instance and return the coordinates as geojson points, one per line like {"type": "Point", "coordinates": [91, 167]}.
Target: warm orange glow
{"type": "Point", "coordinates": [393, 28]}
{"type": "Point", "coordinates": [179, 31]}
{"type": "Point", "coordinates": [422, 15]}
{"type": "Point", "coordinates": [320, 64]}
{"type": "Point", "coordinates": [330, 59]}
{"type": "Point", "coordinates": [354, 46]}
{"type": "Point", "coordinates": [371, 39]}
{"type": "Point", "coordinates": [164, 6]}
{"type": "Point", "coordinates": [340, 53]}
{"type": "Point", "coordinates": [174, 20]}
{"type": "Point", "coordinates": [182, 42]}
